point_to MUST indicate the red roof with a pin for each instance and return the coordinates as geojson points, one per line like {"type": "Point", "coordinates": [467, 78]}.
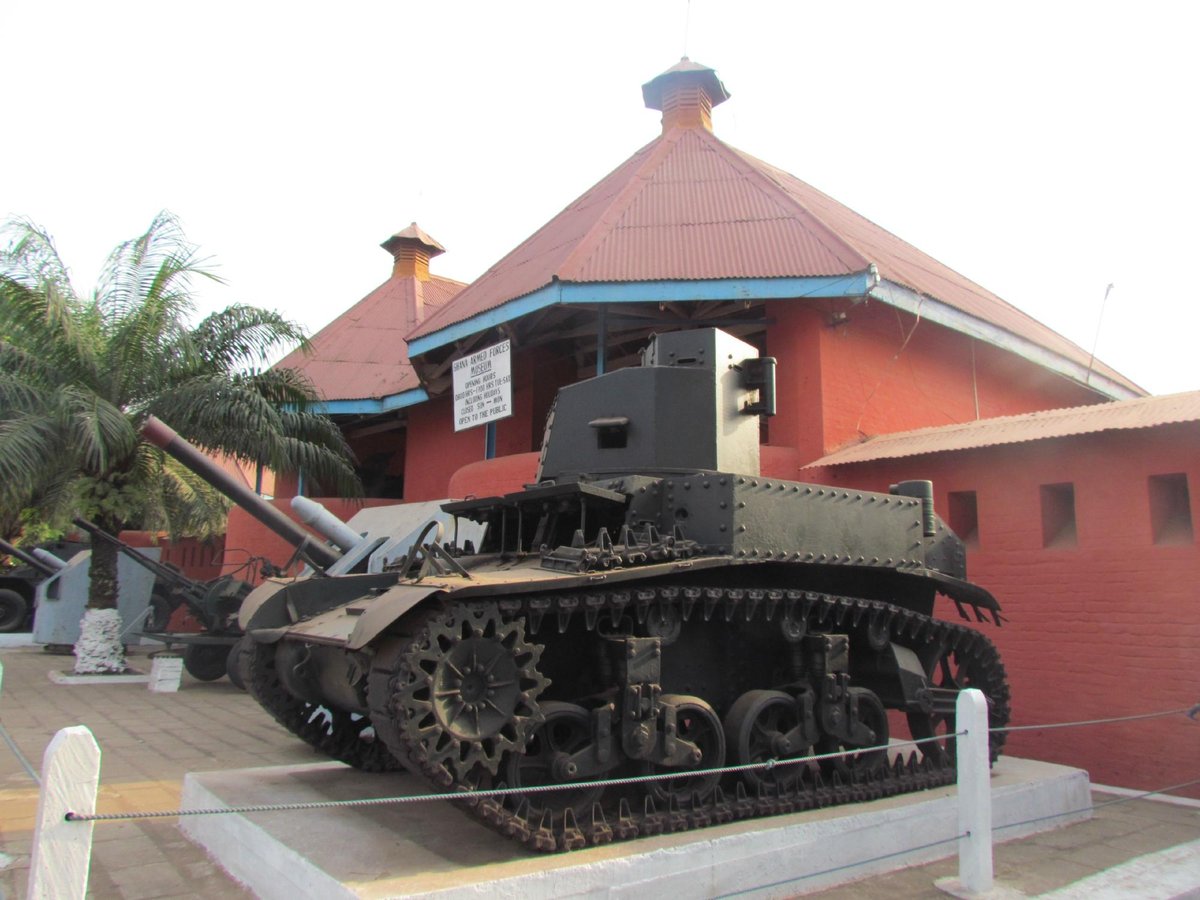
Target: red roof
{"type": "Point", "coordinates": [688, 206]}
{"type": "Point", "coordinates": [1143, 412]}
{"type": "Point", "coordinates": [361, 354]}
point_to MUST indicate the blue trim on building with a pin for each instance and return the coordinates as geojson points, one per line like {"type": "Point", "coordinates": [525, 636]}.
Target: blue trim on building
{"type": "Point", "coordinates": [853, 285]}
{"type": "Point", "coordinates": [371, 406]}
{"type": "Point", "coordinates": [933, 310]}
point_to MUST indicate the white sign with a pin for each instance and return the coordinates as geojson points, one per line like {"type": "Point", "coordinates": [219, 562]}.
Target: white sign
{"type": "Point", "coordinates": [483, 386]}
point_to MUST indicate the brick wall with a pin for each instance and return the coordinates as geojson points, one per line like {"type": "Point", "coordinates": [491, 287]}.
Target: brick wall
{"type": "Point", "coordinates": [1107, 626]}
{"type": "Point", "coordinates": [246, 537]}
{"type": "Point", "coordinates": [200, 560]}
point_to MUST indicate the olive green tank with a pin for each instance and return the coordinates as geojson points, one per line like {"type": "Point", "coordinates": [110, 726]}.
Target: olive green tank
{"type": "Point", "coordinates": [651, 606]}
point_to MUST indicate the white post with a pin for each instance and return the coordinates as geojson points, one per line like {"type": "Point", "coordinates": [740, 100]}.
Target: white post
{"type": "Point", "coordinates": [974, 793]}
{"type": "Point", "coordinates": [62, 850]}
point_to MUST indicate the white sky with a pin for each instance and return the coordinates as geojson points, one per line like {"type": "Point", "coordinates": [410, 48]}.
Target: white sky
{"type": "Point", "coordinates": [1044, 150]}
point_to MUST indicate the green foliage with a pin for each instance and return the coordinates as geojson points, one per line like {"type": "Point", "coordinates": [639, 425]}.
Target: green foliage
{"type": "Point", "coordinates": [79, 375]}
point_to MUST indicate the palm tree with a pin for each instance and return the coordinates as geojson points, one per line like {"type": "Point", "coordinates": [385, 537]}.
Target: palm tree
{"type": "Point", "coordinates": [79, 375]}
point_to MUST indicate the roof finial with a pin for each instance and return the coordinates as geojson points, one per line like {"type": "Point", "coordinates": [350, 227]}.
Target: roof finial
{"type": "Point", "coordinates": [411, 251]}
{"type": "Point", "coordinates": [686, 94]}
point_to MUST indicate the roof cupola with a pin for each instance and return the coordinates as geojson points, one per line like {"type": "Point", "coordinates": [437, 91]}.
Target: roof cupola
{"type": "Point", "coordinates": [412, 249]}
{"type": "Point", "coordinates": [686, 93]}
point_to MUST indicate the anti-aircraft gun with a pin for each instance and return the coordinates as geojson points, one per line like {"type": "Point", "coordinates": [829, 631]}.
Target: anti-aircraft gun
{"type": "Point", "coordinates": [214, 604]}
{"type": "Point", "coordinates": [652, 605]}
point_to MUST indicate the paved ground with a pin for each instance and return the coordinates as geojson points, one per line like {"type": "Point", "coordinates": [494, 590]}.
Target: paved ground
{"type": "Point", "coordinates": [148, 741]}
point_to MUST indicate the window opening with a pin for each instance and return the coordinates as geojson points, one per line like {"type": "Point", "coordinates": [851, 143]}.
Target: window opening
{"type": "Point", "coordinates": [964, 516]}
{"type": "Point", "coordinates": [1170, 509]}
{"type": "Point", "coordinates": [1058, 515]}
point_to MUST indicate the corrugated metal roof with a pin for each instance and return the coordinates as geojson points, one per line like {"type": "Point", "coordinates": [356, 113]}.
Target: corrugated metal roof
{"type": "Point", "coordinates": [687, 206]}
{"type": "Point", "coordinates": [361, 354]}
{"type": "Point", "coordinates": [902, 263]}
{"type": "Point", "coordinates": [1143, 412]}
{"type": "Point", "coordinates": [684, 207]}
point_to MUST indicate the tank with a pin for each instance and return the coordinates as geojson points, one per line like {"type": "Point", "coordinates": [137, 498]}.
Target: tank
{"type": "Point", "coordinates": [651, 606]}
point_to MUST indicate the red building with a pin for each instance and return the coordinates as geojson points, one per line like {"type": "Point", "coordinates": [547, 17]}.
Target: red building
{"type": "Point", "coordinates": [874, 338]}
{"type": "Point", "coordinates": [1081, 522]}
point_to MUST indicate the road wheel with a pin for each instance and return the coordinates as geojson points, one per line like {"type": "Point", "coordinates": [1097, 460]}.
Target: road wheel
{"type": "Point", "coordinates": [205, 662]}
{"type": "Point", "coordinates": [13, 610]}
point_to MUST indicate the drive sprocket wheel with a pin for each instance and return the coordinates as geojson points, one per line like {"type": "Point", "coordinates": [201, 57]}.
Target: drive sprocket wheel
{"type": "Point", "coordinates": [972, 662]}
{"type": "Point", "coordinates": [469, 688]}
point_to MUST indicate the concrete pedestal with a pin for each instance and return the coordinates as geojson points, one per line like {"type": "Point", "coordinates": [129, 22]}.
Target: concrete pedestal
{"type": "Point", "coordinates": [431, 849]}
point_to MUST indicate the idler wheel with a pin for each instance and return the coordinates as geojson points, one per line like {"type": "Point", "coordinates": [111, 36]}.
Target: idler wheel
{"type": "Point", "coordinates": [472, 689]}
{"type": "Point", "coordinates": [566, 730]}
{"type": "Point", "coordinates": [872, 714]}
{"type": "Point", "coordinates": [697, 722]}
{"type": "Point", "coordinates": [340, 735]}
{"type": "Point", "coordinates": [755, 731]}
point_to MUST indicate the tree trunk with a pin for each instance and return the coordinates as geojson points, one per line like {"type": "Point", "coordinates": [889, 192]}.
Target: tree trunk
{"type": "Point", "coordinates": [102, 591]}
{"type": "Point", "coordinates": [99, 649]}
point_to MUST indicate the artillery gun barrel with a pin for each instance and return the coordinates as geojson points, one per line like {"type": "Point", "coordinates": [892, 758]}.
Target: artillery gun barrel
{"type": "Point", "coordinates": [158, 569]}
{"type": "Point", "coordinates": [50, 559]}
{"type": "Point", "coordinates": [163, 436]}
{"type": "Point", "coordinates": [316, 516]}
{"type": "Point", "coordinates": [30, 560]}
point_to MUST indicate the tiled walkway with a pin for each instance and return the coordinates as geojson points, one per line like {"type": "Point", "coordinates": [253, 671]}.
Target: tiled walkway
{"type": "Point", "coordinates": [149, 741]}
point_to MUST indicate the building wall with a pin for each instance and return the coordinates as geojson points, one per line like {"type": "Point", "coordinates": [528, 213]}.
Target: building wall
{"type": "Point", "coordinates": [246, 538]}
{"type": "Point", "coordinates": [881, 371]}
{"type": "Point", "coordinates": [197, 559]}
{"type": "Point", "coordinates": [884, 371]}
{"type": "Point", "coordinates": [1107, 625]}
{"type": "Point", "coordinates": [379, 456]}
{"type": "Point", "coordinates": [436, 451]}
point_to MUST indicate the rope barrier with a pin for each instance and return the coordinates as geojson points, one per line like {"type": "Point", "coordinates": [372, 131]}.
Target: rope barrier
{"type": "Point", "coordinates": [506, 792]}
{"type": "Point", "coordinates": [1074, 812]}
{"type": "Point", "coordinates": [844, 866]}
{"type": "Point", "coordinates": [1190, 711]}
{"type": "Point", "coordinates": [957, 837]}
{"type": "Point", "coordinates": [12, 745]}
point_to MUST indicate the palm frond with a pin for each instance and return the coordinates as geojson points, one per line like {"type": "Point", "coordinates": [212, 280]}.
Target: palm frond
{"type": "Point", "coordinates": [177, 500]}
{"type": "Point", "coordinates": [38, 306]}
{"type": "Point", "coordinates": [145, 301]}
{"type": "Point", "coordinates": [241, 337]}
{"type": "Point", "coordinates": [31, 445]}
{"type": "Point", "coordinates": [102, 436]}
{"type": "Point", "coordinates": [79, 376]}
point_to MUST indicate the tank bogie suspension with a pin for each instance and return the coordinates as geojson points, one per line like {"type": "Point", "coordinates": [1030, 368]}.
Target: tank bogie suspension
{"type": "Point", "coordinates": [672, 681]}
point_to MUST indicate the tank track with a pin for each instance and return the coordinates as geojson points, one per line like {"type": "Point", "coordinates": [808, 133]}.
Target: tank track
{"type": "Point", "coordinates": [332, 733]}
{"type": "Point", "coordinates": [632, 816]}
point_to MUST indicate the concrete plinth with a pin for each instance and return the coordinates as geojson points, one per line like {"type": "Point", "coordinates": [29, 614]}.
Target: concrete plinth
{"type": "Point", "coordinates": [431, 849]}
